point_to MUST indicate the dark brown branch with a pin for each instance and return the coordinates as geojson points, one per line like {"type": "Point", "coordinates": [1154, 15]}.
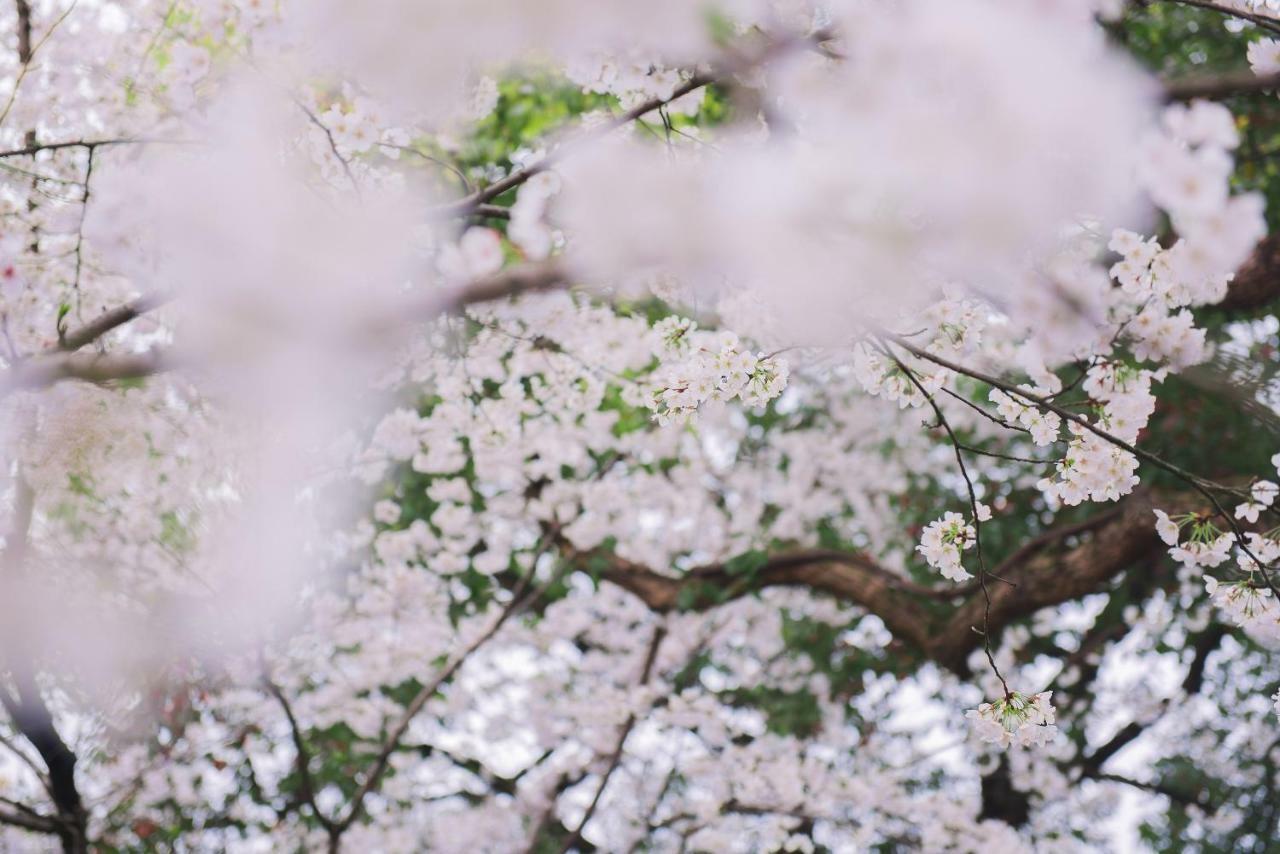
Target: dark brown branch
{"type": "Point", "coordinates": [32, 718]}
{"type": "Point", "coordinates": [848, 576]}
{"type": "Point", "coordinates": [29, 821]}
{"type": "Point", "coordinates": [1044, 576]}
{"type": "Point", "coordinates": [1182, 797]}
{"type": "Point", "coordinates": [1257, 282]}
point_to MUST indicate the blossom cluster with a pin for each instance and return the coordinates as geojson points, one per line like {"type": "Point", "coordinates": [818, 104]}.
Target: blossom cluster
{"type": "Point", "coordinates": [944, 541]}
{"type": "Point", "coordinates": [1186, 168]}
{"type": "Point", "coordinates": [1094, 469]}
{"type": "Point", "coordinates": [1016, 718]}
{"type": "Point", "coordinates": [1248, 605]}
{"type": "Point", "coordinates": [712, 368]}
{"type": "Point", "coordinates": [1208, 546]}
{"type": "Point", "coordinates": [1043, 426]}
{"type": "Point", "coordinates": [519, 446]}
{"type": "Point", "coordinates": [633, 78]}
{"type": "Point", "coordinates": [881, 376]}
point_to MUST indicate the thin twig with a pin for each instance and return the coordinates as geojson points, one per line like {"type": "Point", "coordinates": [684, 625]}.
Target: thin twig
{"type": "Point", "coordinates": [1260, 21]}
{"type": "Point", "coordinates": [973, 505]}
{"type": "Point", "coordinates": [659, 632]}
{"type": "Point", "coordinates": [1200, 484]}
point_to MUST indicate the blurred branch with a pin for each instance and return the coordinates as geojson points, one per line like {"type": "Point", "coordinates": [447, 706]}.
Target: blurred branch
{"type": "Point", "coordinates": [1220, 85]}
{"type": "Point", "coordinates": [1257, 283]}
{"type": "Point", "coordinates": [513, 281]}
{"type": "Point", "coordinates": [110, 320]}
{"type": "Point", "coordinates": [61, 362]}
{"type": "Point", "coordinates": [1091, 766]}
{"type": "Point", "coordinates": [738, 65]}
{"type": "Point", "coordinates": [44, 371]}
{"type": "Point", "coordinates": [1182, 797]}
{"type": "Point", "coordinates": [29, 820]}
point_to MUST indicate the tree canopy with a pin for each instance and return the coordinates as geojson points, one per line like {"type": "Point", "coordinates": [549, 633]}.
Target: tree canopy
{"type": "Point", "coordinates": [762, 425]}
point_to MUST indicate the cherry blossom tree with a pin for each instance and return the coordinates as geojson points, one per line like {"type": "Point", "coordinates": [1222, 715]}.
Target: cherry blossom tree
{"type": "Point", "coordinates": [766, 425]}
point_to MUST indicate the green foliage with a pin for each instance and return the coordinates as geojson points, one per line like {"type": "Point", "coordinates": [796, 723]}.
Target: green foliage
{"type": "Point", "coordinates": [787, 712]}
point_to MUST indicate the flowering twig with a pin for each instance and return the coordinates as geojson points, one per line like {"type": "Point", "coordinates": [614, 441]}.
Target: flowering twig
{"type": "Point", "coordinates": [1201, 485]}
{"type": "Point", "coordinates": [973, 505]}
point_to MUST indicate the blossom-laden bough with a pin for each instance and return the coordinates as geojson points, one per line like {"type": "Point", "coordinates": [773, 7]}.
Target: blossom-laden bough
{"type": "Point", "coordinates": [490, 425]}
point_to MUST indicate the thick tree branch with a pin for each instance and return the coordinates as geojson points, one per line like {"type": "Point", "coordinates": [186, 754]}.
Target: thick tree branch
{"type": "Point", "coordinates": [1049, 578]}
{"type": "Point", "coordinates": [1044, 576]}
{"type": "Point", "coordinates": [45, 371]}
{"type": "Point", "coordinates": [1257, 282]}
{"type": "Point", "coordinates": [1206, 488]}
{"type": "Point", "coordinates": [851, 577]}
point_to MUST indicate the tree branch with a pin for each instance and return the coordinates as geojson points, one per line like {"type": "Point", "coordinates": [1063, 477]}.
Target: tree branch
{"type": "Point", "coordinates": [1215, 86]}
{"type": "Point", "coordinates": [1260, 21]}
{"type": "Point", "coordinates": [110, 320]}
{"type": "Point", "coordinates": [770, 52]}
{"type": "Point", "coordinates": [374, 777]}
{"type": "Point", "coordinates": [302, 760]}
{"type": "Point", "coordinates": [27, 708]}
{"type": "Point", "coordinates": [659, 633]}
{"type": "Point", "coordinates": [45, 371]}
{"type": "Point", "coordinates": [851, 577]}
{"type": "Point", "coordinates": [1119, 536]}
{"type": "Point", "coordinates": [36, 148]}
